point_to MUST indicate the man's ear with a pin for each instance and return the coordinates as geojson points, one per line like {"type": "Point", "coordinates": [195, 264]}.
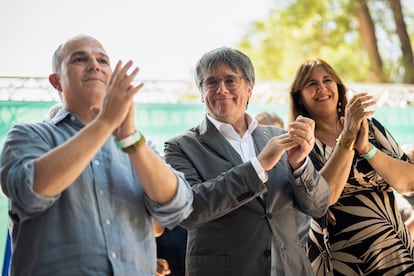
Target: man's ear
{"type": "Point", "coordinates": [249, 89]}
{"type": "Point", "coordinates": [54, 80]}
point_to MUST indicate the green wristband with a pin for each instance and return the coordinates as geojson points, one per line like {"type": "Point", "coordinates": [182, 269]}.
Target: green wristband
{"type": "Point", "coordinates": [128, 141]}
{"type": "Point", "coordinates": [370, 153]}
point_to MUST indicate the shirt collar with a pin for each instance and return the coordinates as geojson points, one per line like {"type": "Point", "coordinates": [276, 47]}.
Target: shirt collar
{"type": "Point", "coordinates": [62, 114]}
{"type": "Point", "coordinates": [228, 131]}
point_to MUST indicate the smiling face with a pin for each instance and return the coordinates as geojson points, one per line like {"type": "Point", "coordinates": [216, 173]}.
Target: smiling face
{"type": "Point", "coordinates": [82, 75]}
{"type": "Point", "coordinates": [320, 94]}
{"type": "Point", "coordinates": [226, 101]}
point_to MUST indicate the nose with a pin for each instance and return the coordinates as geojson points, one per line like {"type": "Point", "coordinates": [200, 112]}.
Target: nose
{"type": "Point", "coordinates": [320, 87]}
{"type": "Point", "coordinates": [221, 86]}
{"type": "Point", "coordinates": [94, 65]}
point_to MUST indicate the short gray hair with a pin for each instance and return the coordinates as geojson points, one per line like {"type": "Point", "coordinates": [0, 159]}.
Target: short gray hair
{"type": "Point", "coordinates": [235, 59]}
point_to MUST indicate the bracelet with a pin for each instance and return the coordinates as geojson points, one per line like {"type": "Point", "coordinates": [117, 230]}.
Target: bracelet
{"type": "Point", "coordinates": [345, 143]}
{"type": "Point", "coordinates": [370, 153]}
{"type": "Point", "coordinates": [128, 141]}
{"type": "Point", "coordinates": [135, 145]}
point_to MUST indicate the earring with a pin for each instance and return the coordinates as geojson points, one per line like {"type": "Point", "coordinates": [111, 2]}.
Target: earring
{"type": "Point", "coordinates": [339, 107]}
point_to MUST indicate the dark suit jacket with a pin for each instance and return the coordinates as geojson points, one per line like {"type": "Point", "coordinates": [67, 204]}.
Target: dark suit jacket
{"type": "Point", "coordinates": [171, 246]}
{"type": "Point", "coordinates": [231, 228]}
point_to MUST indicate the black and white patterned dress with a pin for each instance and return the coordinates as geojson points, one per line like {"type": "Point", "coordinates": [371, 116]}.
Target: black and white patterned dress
{"type": "Point", "coordinates": [362, 233]}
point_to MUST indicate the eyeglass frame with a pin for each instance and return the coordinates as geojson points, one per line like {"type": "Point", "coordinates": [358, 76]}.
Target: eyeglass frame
{"type": "Point", "coordinates": [237, 79]}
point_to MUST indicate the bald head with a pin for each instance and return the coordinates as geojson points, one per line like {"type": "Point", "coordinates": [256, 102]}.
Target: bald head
{"type": "Point", "coordinates": [60, 51]}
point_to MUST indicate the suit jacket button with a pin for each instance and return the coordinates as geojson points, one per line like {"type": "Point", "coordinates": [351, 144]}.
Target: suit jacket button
{"type": "Point", "coordinates": [269, 215]}
{"type": "Point", "coordinates": [267, 253]}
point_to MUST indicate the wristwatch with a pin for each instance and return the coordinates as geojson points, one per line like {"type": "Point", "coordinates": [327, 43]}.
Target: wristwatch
{"type": "Point", "coordinates": [140, 140]}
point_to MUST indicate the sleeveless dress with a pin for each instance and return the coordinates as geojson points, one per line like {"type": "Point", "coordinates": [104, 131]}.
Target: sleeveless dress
{"type": "Point", "coordinates": [363, 233]}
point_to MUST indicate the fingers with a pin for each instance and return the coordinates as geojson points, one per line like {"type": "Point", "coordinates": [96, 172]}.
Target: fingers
{"type": "Point", "coordinates": [122, 80]}
{"type": "Point", "coordinates": [298, 141]}
{"type": "Point", "coordinates": [118, 98]}
{"type": "Point", "coordinates": [116, 69]}
{"type": "Point", "coordinates": [287, 143]}
{"type": "Point", "coordinates": [120, 84]}
{"type": "Point", "coordinates": [162, 267]}
{"type": "Point", "coordinates": [282, 142]}
{"type": "Point", "coordinates": [362, 141]}
{"type": "Point", "coordinates": [356, 111]}
{"type": "Point", "coordinates": [274, 149]}
{"type": "Point", "coordinates": [302, 133]}
{"type": "Point", "coordinates": [302, 130]}
{"type": "Point", "coordinates": [361, 103]}
{"type": "Point", "coordinates": [120, 75]}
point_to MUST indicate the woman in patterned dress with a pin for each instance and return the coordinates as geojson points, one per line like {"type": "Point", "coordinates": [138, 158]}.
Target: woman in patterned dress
{"type": "Point", "coordinates": [362, 232]}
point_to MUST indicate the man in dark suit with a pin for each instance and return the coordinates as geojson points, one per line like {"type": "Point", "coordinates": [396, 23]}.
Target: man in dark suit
{"type": "Point", "coordinates": [252, 184]}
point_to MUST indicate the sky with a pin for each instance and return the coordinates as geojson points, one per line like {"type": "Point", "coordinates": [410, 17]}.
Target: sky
{"type": "Point", "coordinates": [165, 38]}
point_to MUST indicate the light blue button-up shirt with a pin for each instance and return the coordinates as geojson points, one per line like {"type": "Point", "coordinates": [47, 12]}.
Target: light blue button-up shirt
{"type": "Point", "coordinates": [100, 225]}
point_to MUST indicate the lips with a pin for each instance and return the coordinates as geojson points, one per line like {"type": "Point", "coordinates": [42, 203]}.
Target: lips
{"type": "Point", "coordinates": [94, 78]}
{"type": "Point", "coordinates": [323, 98]}
{"type": "Point", "coordinates": [222, 98]}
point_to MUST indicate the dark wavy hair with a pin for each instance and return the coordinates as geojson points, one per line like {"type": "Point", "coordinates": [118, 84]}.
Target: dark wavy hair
{"type": "Point", "coordinates": [302, 77]}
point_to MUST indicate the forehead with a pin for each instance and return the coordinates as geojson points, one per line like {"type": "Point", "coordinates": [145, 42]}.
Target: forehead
{"type": "Point", "coordinates": [221, 69]}
{"type": "Point", "coordinates": [84, 46]}
{"type": "Point", "coordinates": [318, 71]}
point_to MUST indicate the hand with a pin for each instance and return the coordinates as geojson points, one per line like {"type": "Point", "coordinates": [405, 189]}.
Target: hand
{"type": "Point", "coordinates": [162, 268]}
{"type": "Point", "coordinates": [362, 143]}
{"type": "Point", "coordinates": [355, 112]}
{"type": "Point", "coordinates": [302, 132]}
{"type": "Point", "coordinates": [127, 127]}
{"type": "Point", "coordinates": [117, 103]}
{"type": "Point", "coordinates": [273, 150]}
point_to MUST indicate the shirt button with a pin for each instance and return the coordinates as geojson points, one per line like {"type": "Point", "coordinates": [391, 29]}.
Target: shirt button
{"type": "Point", "coordinates": [72, 118]}
{"type": "Point", "coordinates": [96, 162]}
{"type": "Point", "coordinates": [113, 254]}
{"type": "Point", "coordinates": [267, 253]}
{"type": "Point", "coordinates": [107, 221]}
{"type": "Point", "coordinates": [100, 192]}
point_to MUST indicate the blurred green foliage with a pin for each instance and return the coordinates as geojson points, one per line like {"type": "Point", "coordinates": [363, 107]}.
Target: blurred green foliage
{"type": "Point", "coordinates": [295, 30]}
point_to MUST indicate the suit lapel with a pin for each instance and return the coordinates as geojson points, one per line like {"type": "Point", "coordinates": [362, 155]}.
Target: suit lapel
{"type": "Point", "coordinates": [260, 137]}
{"type": "Point", "coordinates": [212, 137]}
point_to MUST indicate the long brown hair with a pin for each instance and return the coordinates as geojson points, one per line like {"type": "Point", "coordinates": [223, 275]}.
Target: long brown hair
{"type": "Point", "coordinates": [302, 77]}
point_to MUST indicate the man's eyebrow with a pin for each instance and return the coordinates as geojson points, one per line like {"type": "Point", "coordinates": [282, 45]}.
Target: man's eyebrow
{"type": "Point", "coordinates": [78, 53]}
{"type": "Point", "coordinates": [83, 53]}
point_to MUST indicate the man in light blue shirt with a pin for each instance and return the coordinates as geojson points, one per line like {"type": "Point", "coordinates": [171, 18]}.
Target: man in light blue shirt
{"type": "Point", "coordinates": [84, 186]}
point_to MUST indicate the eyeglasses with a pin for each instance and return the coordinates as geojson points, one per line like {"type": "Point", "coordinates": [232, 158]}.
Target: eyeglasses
{"type": "Point", "coordinates": [212, 83]}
